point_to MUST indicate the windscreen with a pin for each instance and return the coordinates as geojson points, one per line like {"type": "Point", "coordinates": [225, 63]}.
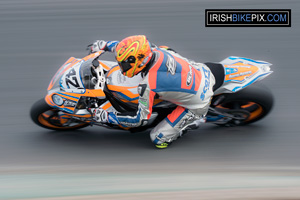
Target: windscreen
{"type": "Point", "coordinates": [55, 82]}
{"type": "Point", "coordinates": [88, 75]}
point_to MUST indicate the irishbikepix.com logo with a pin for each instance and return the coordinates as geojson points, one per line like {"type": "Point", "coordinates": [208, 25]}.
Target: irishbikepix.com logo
{"type": "Point", "coordinates": [248, 18]}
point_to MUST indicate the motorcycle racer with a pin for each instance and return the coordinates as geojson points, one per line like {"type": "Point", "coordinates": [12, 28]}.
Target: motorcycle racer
{"type": "Point", "coordinates": [167, 76]}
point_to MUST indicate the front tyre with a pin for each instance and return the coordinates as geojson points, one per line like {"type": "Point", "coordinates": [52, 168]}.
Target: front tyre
{"type": "Point", "coordinates": [47, 117]}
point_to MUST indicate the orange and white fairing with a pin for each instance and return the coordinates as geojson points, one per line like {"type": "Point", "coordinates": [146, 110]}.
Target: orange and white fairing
{"type": "Point", "coordinates": [69, 84]}
{"type": "Point", "coordinates": [241, 72]}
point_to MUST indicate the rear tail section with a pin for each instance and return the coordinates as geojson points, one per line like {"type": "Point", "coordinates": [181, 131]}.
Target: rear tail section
{"type": "Point", "coordinates": [242, 72]}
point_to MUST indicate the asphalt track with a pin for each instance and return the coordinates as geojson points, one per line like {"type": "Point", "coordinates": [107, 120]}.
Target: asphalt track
{"type": "Point", "coordinates": [36, 37]}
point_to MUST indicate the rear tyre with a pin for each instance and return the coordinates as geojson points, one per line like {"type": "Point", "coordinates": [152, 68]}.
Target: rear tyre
{"type": "Point", "coordinates": [47, 117]}
{"type": "Point", "coordinates": [256, 101]}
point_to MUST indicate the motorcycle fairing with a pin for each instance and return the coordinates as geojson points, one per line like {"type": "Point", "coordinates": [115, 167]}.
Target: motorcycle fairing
{"type": "Point", "coordinates": [241, 72]}
{"type": "Point", "coordinates": [71, 80]}
{"type": "Point", "coordinates": [73, 93]}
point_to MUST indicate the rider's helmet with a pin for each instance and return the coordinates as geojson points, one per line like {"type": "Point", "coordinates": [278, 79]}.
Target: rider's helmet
{"type": "Point", "coordinates": [132, 54]}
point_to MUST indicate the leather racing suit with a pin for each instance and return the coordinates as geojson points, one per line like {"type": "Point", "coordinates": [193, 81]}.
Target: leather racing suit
{"type": "Point", "coordinates": [172, 78]}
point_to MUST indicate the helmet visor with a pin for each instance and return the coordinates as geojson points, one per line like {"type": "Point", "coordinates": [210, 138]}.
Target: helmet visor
{"type": "Point", "coordinates": [124, 66]}
{"type": "Point", "coordinates": [127, 64]}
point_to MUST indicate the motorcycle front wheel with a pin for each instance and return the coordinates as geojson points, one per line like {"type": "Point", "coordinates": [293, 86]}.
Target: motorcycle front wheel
{"type": "Point", "coordinates": [47, 117]}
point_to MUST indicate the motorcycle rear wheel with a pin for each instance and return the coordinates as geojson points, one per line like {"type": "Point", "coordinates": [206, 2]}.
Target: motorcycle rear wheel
{"type": "Point", "coordinates": [47, 117]}
{"type": "Point", "coordinates": [256, 100]}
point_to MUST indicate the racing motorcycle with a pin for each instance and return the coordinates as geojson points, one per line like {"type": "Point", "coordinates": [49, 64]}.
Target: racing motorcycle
{"type": "Point", "coordinates": [82, 84]}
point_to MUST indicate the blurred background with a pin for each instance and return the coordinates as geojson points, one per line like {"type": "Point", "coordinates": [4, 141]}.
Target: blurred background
{"type": "Point", "coordinates": [256, 161]}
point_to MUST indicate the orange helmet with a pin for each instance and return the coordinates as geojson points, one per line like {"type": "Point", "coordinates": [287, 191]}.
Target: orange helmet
{"type": "Point", "coordinates": [132, 54]}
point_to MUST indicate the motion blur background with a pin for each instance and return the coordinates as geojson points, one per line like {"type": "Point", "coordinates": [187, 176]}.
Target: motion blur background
{"type": "Point", "coordinates": [37, 37]}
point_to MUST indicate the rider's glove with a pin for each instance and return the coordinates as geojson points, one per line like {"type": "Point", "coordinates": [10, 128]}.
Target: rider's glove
{"type": "Point", "coordinates": [100, 115]}
{"type": "Point", "coordinates": [97, 46]}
